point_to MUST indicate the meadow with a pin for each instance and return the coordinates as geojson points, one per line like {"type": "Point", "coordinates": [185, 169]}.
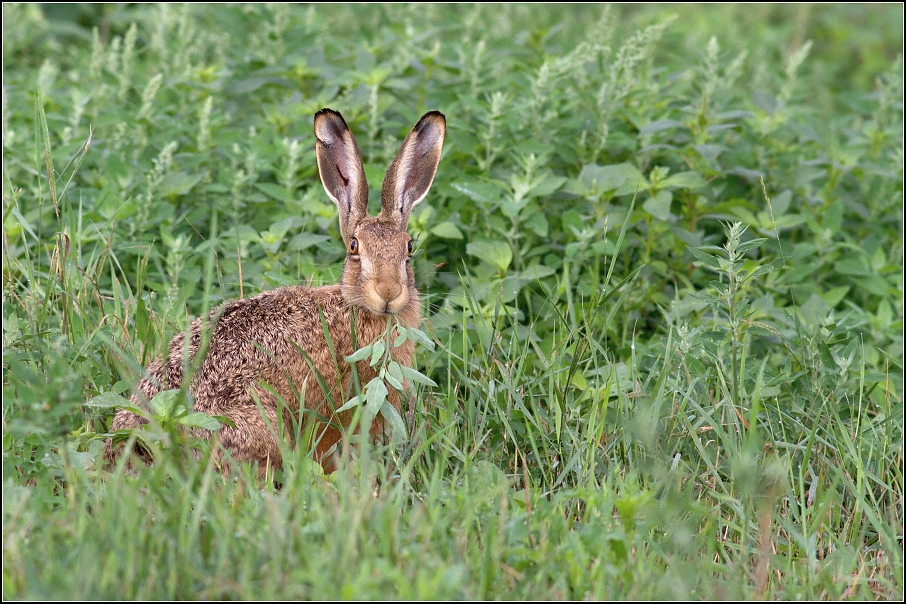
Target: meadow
{"type": "Point", "coordinates": [661, 270]}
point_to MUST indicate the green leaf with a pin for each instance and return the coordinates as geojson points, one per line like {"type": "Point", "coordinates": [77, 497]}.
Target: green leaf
{"type": "Point", "coordinates": [537, 222]}
{"type": "Point", "coordinates": [827, 358]}
{"type": "Point", "coordinates": [684, 180]}
{"type": "Point", "coordinates": [108, 400]}
{"type": "Point", "coordinates": [511, 207]}
{"type": "Point", "coordinates": [276, 191]}
{"type": "Point", "coordinates": [200, 420]}
{"type": "Point", "coordinates": [142, 319]}
{"type": "Point", "coordinates": [610, 178]}
{"type": "Point", "coordinates": [833, 296]}
{"type": "Point", "coordinates": [833, 217]}
{"type": "Point", "coordinates": [885, 314]}
{"type": "Point", "coordinates": [377, 352]}
{"type": "Point", "coordinates": [417, 335]}
{"type": "Point", "coordinates": [774, 265]}
{"type": "Point", "coordinates": [781, 203]}
{"type": "Point", "coordinates": [414, 376]}
{"type": "Point", "coordinates": [659, 205]}
{"type": "Point", "coordinates": [852, 350]}
{"type": "Point", "coordinates": [765, 101]}
{"type": "Point", "coordinates": [572, 221]}
{"type": "Point", "coordinates": [875, 284]}
{"type": "Point", "coordinates": [705, 258]}
{"type": "Point", "coordinates": [547, 185]}
{"type": "Point", "coordinates": [852, 265]}
{"type": "Point", "coordinates": [375, 396]}
{"type": "Point", "coordinates": [22, 222]}
{"type": "Point", "coordinates": [709, 151]}
{"type": "Point", "coordinates": [447, 230]}
{"type": "Point", "coordinates": [353, 402]}
{"type": "Point", "coordinates": [497, 253]}
{"type": "Point", "coordinates": [302, 241]}
{"type": "Point", "coordinates": [720, 288]}
{"type": "Point", "coordinates": [179, 183]}
{"type": "Point", "coordinates": [875, 378]}
{"type": "Point", "coordinates": [732, 114]}
{"type": "Point", "coordinates": [537, 271]}
{"type": "Point", "coordinates": [393, 418]}
{"type": "Point", "coordinates": [482, 193]}
{"type": "Point", "coordinates": [359, 355]}
{"type": "Point", "coordinates": [750, 245]}
{"type": "Point", "coordinates": [244, 86]}
{"type": "Point", "coordinates": [790, 221]}
{"type": "Point", "coordinates": [710, 299]}
{"type": "Point", "coordinates": [284, 224]}
{"type": "Point", "coordinates": [659, 126]}
{"type": "Point", "coordinates": [168, 403]}
{"type": "Point", "coordinates": [225, 420]}
{"type": "Point", "coordinates": [578, 381]}
{"type": "Point", "coordinates": [814, 310]}
{"type": "Point", "coordinates": [745, 216]}
{"type": "Point", "coordinates": [394, 375]}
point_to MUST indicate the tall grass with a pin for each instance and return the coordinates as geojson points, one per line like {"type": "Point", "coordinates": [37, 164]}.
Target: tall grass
{"type": "Point", "coordinates": [661, 264]}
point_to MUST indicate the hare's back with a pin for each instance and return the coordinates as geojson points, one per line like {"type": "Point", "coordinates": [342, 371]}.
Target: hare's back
{"type": "Point", "coordinates": [271, 327]}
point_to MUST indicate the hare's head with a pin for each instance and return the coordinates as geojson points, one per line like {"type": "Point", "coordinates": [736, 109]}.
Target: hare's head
{"type": "Point", "coordinates": [377, 275]}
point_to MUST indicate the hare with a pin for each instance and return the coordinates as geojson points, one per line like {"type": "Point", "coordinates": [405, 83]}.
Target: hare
{"type": "Point", "coordinates": [260, 340]}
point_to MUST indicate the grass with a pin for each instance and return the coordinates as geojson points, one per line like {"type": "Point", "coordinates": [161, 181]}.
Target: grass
{"type": "Point", "coordinates": [661, 265]}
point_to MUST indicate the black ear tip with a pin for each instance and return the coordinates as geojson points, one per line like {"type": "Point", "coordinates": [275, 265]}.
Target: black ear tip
{"type": "Point", "coordinates": [329, 114]}
{"type": "Point", "coordinates": [329, 125]}
{"type": "Point", "coordinates": [432, 118]}
{"type": "Point", "coordinates": [435, 115]}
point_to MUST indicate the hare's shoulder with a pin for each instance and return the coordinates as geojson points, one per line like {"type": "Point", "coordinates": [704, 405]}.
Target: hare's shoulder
{"type": "Point", "coordinates": [252, 334]}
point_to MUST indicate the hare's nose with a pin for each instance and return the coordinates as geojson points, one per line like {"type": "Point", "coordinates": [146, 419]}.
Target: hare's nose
{"type": "Point", "coordinates": [388, 290]}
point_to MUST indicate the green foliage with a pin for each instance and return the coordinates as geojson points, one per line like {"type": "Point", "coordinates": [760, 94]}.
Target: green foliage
{"type": "Point", "coordinates": [375, 399]}
{"type": "Point", "coordinates": [661, 268]}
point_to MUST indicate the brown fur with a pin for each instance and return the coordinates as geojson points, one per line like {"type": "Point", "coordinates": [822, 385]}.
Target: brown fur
{"type": "Point", "coordinates": [252, 340]}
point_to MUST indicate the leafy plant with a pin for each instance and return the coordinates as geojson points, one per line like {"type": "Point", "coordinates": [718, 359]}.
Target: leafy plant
{"type": "Point", "coordinates": [374, 398]}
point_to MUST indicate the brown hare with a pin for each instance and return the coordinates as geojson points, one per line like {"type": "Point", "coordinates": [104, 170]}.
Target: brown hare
{"type": "Point", "coordinates": [259, 340]}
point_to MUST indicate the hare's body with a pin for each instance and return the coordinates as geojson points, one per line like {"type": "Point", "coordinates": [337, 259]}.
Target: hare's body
{"type": "Point", "coordinates": [275, 341]}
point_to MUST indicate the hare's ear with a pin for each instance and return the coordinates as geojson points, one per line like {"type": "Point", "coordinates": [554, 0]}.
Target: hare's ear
{"type": "Point", "coordinates": [412, 171]}
{"type": "Point", "coordinates": [340, 166]}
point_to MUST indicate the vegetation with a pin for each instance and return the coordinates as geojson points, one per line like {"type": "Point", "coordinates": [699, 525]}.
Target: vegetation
{"type": "Point", "coordinates": [662, 269]}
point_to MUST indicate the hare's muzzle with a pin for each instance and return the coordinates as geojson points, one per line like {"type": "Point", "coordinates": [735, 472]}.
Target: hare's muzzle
{"type": "Point", "coordinates": [388, 291]}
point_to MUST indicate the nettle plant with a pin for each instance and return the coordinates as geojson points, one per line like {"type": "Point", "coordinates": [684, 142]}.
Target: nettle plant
{"type": "Point", "coordinates": [373, 400]}
{"type": "Point", "coordinates": [729, 302]}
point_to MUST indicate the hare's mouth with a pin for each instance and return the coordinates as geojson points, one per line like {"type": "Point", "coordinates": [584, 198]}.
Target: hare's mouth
{"type": "Point", "coordinates": [368, 299]}
{"type": "Point", "coordinates": [380, 306]}
{"type": "Point", "coordinates": [385, 311]}
{"type": "Point", "coordinates": [377, 309]}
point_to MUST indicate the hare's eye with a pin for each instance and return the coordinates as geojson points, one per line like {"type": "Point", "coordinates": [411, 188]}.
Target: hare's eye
{"type": "Point", "coordinates": [353, 246]}
{"type": "Point", "coordinates": [410, 247]}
